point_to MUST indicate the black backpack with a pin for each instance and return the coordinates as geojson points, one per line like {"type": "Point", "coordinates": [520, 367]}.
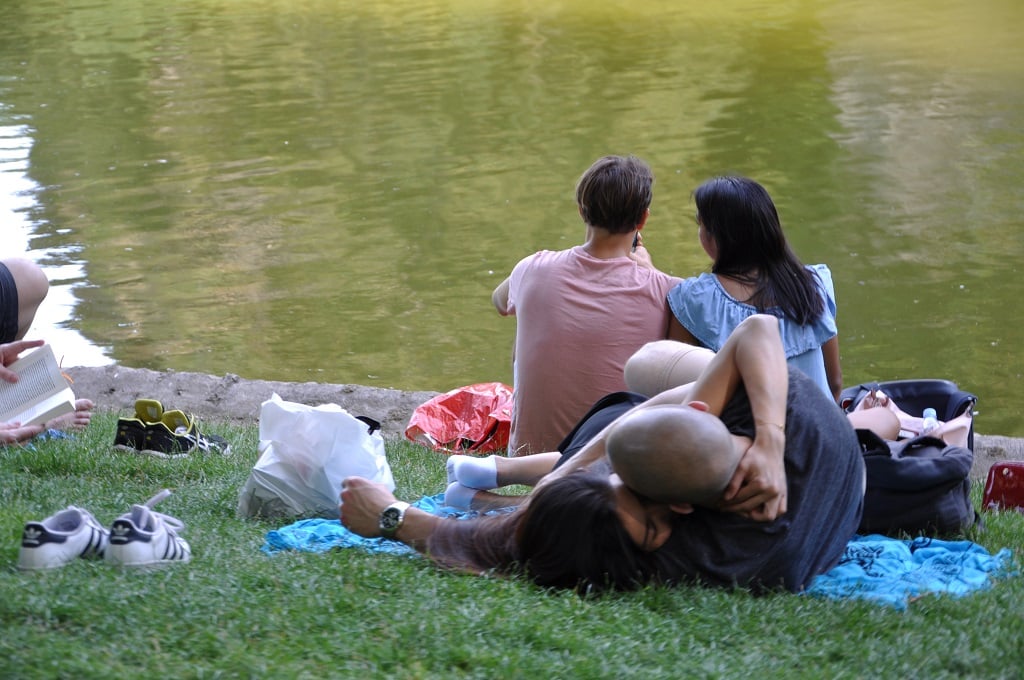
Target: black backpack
{"type": "Point", "coordinates": [920, 485]}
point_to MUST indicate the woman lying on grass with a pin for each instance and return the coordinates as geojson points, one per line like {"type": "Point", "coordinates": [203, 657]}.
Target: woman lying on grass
{"type": "Point", "coordinates": [750, 477]}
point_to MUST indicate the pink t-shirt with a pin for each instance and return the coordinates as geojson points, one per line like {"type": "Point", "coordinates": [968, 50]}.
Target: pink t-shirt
{"type": "Point", "coordinates": [578, 319]}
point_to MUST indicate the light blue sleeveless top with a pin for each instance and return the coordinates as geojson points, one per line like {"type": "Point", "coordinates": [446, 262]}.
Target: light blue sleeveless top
{"type": "Point", "coordinates": [710, 314]}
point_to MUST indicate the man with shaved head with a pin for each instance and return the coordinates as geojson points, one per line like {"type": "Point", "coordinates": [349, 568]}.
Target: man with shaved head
{"type": "Point", "coordinates": [648, 447]}
{"type": "Point", "coordinates": [748, 476]}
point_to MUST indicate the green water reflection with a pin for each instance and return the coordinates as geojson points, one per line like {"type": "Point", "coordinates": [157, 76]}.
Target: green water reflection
{"type": "Point", "coordinates": [330, 190]}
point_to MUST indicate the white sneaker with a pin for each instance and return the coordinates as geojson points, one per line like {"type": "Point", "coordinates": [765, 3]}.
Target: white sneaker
{"type": "Point", "coordinates": [142, 537]}
{"type": "Point", "coordinates": [60, 538]}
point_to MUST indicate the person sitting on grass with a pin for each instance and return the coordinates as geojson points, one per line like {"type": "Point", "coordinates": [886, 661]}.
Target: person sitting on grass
{"type": "Point", "coordinates": [754, 270]}
{"type": "Point", "coordinates": [14, 432]}
{"type": "Point", "coordinates": [581, 312]}
{"type": "Point", "coordinates": [792, 495]}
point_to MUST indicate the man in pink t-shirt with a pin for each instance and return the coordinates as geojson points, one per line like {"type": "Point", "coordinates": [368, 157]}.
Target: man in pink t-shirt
{"type": "Point", "coordinates": [582, 312]}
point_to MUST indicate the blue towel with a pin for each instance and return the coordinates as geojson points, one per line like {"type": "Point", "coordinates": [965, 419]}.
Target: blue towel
{"type": "Point", "coordinates": [47, 435]}
{"type": "Point", "coordinates": [894, 572]}
{"type": "Point", "coordinates": [879, 569]}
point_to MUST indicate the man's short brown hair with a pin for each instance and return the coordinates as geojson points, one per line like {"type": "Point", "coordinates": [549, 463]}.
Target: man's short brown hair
{"type": "Point", "coordinates": [615, 193]}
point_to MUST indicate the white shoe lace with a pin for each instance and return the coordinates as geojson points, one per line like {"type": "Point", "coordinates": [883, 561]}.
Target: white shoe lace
{"type": "Point", "coordinates": [173, 524]}
{"type": "Point", "coordinates": [201, 441]}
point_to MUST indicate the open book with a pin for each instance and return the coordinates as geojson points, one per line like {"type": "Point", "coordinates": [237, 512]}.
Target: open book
{"type": "Point", "coordinates": [41, 393]}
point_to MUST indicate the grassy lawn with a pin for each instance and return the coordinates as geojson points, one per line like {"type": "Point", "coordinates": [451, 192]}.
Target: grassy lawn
{"type": "Point", "coordinates": [235, 612]}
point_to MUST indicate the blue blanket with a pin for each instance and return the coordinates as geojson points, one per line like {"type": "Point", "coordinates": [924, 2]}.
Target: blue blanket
{"type": "Point", "coordinates": [321, 535]}
{"type": "Point", "coordinates": [894, 572]}
{"type": "Point", "coordinates": [876, 568]}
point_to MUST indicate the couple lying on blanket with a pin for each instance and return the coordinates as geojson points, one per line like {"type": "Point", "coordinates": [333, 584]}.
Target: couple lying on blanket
{"type": "Point", "coordinates": [748, 476]}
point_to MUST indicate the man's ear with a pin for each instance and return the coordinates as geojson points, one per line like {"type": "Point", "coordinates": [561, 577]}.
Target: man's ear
{"type": "Point", "coordinates": [681, 508]}
{"type": "Point", "coordinates": [699, 405]}
{"type": "Point", "coordinates": [643, 220]}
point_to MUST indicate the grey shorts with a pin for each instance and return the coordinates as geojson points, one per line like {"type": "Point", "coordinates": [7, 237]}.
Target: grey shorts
{"type": "Point", "coordinates": [8, 305]}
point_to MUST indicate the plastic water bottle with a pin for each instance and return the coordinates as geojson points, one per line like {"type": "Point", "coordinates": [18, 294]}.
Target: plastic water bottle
{"type": "Point", "coordinates": [929, 421]}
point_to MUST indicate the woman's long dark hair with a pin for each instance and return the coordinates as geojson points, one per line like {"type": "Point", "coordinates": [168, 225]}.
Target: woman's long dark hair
{"type": "Point", "coordinates": [740, 216]}
{"type": "Point", "coordinates": [566, 536]}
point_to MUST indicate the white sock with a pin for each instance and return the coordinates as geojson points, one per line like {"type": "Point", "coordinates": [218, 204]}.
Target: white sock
{"type": "Point", "coordinates": [476, 473]}
{"type": "Point", "coordinates": [449, 467]}
{"type": "Point", "coordinates": [458, 496]}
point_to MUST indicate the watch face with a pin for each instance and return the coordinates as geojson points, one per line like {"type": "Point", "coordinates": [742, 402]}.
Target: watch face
{"type": "Point", "coordinates": [390, 518]}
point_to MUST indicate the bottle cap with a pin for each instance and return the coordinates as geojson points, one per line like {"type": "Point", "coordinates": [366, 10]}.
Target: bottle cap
{"type": "Point", "coordinates": [929, 413]}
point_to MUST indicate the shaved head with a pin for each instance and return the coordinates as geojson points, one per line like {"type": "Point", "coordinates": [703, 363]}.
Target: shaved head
{"type": "Point", "coordinates": [673, 454]}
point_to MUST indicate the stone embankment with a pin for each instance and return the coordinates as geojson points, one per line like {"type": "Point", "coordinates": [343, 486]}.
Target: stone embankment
{"type": "Point", "coordinates": [233, 399]}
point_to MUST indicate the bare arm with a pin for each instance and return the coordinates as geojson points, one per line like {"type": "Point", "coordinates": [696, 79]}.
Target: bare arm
{"type": "Point", "coordinates": [676, 331]}
{"type": "Point", "coordinates": [753, 355]}
{"type": "Point", "coordinates": [500, 297]}
{"type": "Point", "coordinates": [833, 370]}
{"type": "Point", "coordinates": [362, 501]}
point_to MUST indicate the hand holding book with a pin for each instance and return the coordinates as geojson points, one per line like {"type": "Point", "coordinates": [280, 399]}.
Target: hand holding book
{"type": "Point", "coordinates": [9, 354]}
{"type": "Point", "coordinates": [34, 391]}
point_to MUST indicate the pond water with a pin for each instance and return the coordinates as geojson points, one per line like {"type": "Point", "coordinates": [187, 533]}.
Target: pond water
{"type": "Point", "coordinates": [329, 191]}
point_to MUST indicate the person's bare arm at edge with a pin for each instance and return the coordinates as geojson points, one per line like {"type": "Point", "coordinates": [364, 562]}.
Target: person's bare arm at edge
{"type": "Point", "coordinates": [833, 369]}
{"type": "Point", "coordinates": [677, 331]}
{"type": "Point", "coordinates": [753, 355]}
{"type": "Point", "coordinates": [362, 501]}
{"type": "Point", "coordinates": [500, 297]}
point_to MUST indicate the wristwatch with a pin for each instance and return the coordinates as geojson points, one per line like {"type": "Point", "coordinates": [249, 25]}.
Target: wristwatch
{"type": "Point", "coordinates": [391, 518]}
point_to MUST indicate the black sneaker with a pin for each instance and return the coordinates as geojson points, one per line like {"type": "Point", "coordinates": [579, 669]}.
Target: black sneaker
{"type": "Point", "coordinates": [131, 432]}
{"type": "Point", "coordinates": [177, 435]}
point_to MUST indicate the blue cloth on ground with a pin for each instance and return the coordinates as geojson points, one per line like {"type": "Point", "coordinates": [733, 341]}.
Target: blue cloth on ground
{"type": "Point", "coordinates": [876, 568]}
{"type": "Point", "coordinates": [47, 435]}
{"type": "Point", "coordinates": [894, 572]}
{"type": "Point", "coordinates": [320, 535]}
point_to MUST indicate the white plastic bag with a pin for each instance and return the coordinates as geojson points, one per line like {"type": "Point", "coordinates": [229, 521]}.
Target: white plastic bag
{"type": "Point", "coordinates": [305, 453]}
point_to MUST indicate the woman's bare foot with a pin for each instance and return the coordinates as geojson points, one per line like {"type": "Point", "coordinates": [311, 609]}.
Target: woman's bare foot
{"type": "Point", "coordinates": [75, 421]}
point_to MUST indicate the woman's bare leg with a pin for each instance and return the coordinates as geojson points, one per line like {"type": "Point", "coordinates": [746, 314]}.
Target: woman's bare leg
{"type": "Point", "coordinates": [75, 421]}
{"type": "Point", "coordinates": [878, 419]}
{"type": "Point", "coordinates": [526, 470]}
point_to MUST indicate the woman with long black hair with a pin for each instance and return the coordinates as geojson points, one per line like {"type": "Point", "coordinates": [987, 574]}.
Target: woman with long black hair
{"type": "Point", "coordinates": [754, 271]}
